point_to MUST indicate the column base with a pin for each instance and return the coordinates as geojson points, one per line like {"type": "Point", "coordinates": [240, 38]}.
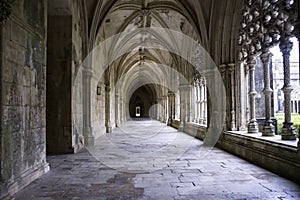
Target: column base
{"type": "Point", "coordinates": [108, 129]}
{"type": "Point", "coordinates": [169, 122]}
{"type": "Point", "coordinates": [268, 129]}
{"type": "Point", "coordinates": [232, 126]}
{"type": "Point", "coordinates": [288, 132]}
{"type": "Point", "coordinates": [89, 141]}
{"type": "Point", "coordinates": [253, 127]}
{"type": "Point", "coordinates": [181, 127]}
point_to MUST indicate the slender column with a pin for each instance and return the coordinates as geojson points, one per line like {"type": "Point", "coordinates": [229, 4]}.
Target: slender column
{"type": "Point", "coordinates": [288, 130]}
{"type": "Point", "coordinates": [204, 102]}
{"type": "Point", "coordinates": [188, 102]}
{"type": "Point", "coordinates": [198, 104]}
{"type": "Point", "coordinates": [182, 107]}
{"type": "Point", "coordinates": [107, 110]}
{"type": "Point", "coordinates": [117, 109]}
{"type": "Point", "coordinates": [201, 103]}
{"type": "Point", "coordinates": [268, 129]}
{"type": "Point", "coordinates": [87, 124]}
{"type": "Point", "coordinates": [252, 126]}
{"type": "Point", "coordinates": [232, 123]}
{"type": "Point", "coordinates": [170, 107]}
{"type": "Point", "coordinates": [121, 110]}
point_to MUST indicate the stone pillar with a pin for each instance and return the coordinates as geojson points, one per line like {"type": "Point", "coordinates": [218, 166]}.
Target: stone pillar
{"type": "Point", "coordinates": [170, 107]}
{"type": "Point", "coordinates": [197, 103]}
{"type": "Point", "coordinates": [201, 102]}
{"type": "Point", "coordinates": [188, 102]}
{"type": "Point", "coordinates": [117, 109]}
{"type": "Point", "coordinates": [121, 112]}
{"type": "Point", "coordinates": [232, 78]}
{"type": "Point", "coordinates": [268, 129]}
{"type": "Point", "coordinates": [182, 107]}
{"type": "Point", "coordinates": [252, 126]}
{"type": "Point", "coordinates": [89, 139]}
{"type": "Point", "coordinates": [204, 102]}
{"type": "Point", "coordinates": [241, 115]}
{"type": "Point", "coordinates": [288, 130]}
{"type": "Point", "coordinates": [107, 110]}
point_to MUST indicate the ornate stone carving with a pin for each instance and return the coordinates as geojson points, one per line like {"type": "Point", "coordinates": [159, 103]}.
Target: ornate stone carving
{"type": "Point", "coordinates": [252, 126]}
{"type": "Point", "coordinates": [264, 23]}
{"type": "Point", "coordinates": [232, 78]}
{"type": "Point", "coordinates": [268, 129]}
{"type": "Point", "coordinates": [5, 11]}
{"type": "Point", "coordinates": [288, 130]}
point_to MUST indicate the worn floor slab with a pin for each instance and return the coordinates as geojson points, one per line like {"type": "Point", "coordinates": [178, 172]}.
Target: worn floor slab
{"type": "Point", "coordinates": [145, 160]}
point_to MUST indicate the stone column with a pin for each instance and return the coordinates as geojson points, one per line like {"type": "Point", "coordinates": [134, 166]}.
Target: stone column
{"type": "Point", "coordinates": [268, 129]}
{"type": "Point", "coordinates": [121, 116]}
{"type": "Point", "coordinates": [201, 102]}
{"type": "Point", "coordinates": [252, 126]}
{"type": "Point", "coordinates": [232, 78]}
{"type": "Point", "coordinates": [204, 102]}
{"type": "Point", "coordinates": [117, 109]}
{"type": "Point", "coordinates": [182, 107]}
{"type": "Point", "coordinates": [87, 117]}
{"type": "Point", "coordinates": [288, 130]}
{"type": "Point", "coordinates": [170, 107]}
{"type": "Point", "coordinates": [188, 102]}
{"type": "Point", "coordinates": [197, 103]}
{"type": "Point", "coordinates": [107, 110]}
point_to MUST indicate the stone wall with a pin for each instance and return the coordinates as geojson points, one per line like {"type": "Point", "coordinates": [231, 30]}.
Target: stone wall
{"type": "Point", "coordinates": [23, 92]}
{"type": "Point", "coordinates": [278, 158]}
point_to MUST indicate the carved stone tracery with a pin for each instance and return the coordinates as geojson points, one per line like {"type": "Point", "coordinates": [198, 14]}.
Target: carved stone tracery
{"type": "Point", "coordinates": [267, 23]}
{"type": "Point", "coordinates": [5, 11]}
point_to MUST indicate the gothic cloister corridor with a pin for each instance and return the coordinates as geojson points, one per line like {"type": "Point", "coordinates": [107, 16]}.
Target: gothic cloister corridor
{"type": "Point", "coordinates": [217, 176]}
{"type": "Point", "coordinates": [149, 99]}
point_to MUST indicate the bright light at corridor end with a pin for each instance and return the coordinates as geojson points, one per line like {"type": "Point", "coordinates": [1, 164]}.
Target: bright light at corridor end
{"type": "Point", "coordinates": [176, 43]}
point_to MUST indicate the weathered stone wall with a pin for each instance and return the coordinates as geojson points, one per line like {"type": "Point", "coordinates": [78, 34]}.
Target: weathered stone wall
{"type": "Point", "coordinates": [278, 158]}
{"type": "Point", "coordinates": [23, 105]}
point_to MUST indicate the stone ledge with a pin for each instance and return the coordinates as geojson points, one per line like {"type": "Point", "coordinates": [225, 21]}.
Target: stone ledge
{"type": "Point", "coordinates": [18, 183]}
{"type": "Point", "coordinates": [280, 158]}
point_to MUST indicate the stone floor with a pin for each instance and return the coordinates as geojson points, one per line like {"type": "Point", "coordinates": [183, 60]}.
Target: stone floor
{"type": "Point", "coordinates": [148, 160]}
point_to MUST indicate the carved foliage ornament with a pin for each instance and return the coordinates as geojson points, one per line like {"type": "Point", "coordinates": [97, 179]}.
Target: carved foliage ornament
{"type": "Point", "coordinates": [5, 11]}
{"type": "Point", "coordinates": [264, 24]}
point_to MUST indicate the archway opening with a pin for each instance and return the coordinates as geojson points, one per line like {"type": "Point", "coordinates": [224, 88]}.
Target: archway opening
{"type": "Point", "coordinates": [141, 102]}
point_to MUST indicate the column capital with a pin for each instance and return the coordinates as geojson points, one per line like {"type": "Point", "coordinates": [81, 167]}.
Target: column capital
{"type": "Point", "coordinates": [286, 46]}
{"type": "Point", "coordinates": [223, 68]}
{"type": "Point", "coordinates": [251, 62]}
{"type": "Point", "coordinates": [231, 67]}
{"type": "Point", "coordinates": [266, 56]}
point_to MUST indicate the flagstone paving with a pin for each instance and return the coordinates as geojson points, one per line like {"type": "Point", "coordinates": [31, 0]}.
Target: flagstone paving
{"type": "Point", "coordinates": [145, 160]}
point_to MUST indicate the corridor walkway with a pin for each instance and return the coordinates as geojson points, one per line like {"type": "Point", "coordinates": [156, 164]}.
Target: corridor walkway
{"type": "Point", "coordinates": [144, 160]}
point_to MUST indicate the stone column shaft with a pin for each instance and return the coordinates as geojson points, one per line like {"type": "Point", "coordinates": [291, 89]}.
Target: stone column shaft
{"type": "Point", "coordinates": [232, 123]}
{"type": "Point", "coordinates": [252, 126]}
{"type": "Point", "coordinates": [87, 119]}
{"type": "Point", "coordinates": [288, 130]}
{"type": "Point", "coordinates": [117, 110]}
{"type": "Point", "coordinates": [268, 129]}
{"type": "Point", "coordinates": [107, 110]}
